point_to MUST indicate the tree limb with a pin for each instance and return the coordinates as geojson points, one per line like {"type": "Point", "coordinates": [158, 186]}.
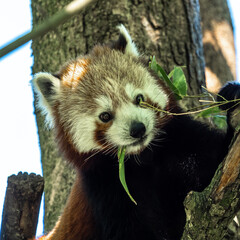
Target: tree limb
{"type": "Point", "coordinates": [210, 212]}
{"type": "Point", "coordinates": [63, 15]}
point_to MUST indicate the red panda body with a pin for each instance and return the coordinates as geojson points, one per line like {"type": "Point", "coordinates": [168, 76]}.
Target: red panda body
{"type": "Point", "coordinates": [76, 221]}
{"type": "Point", "coordinates": [93, 106]}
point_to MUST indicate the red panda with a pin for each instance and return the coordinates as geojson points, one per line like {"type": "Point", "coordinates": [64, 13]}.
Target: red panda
{"type": "Point", "coordinates": [92, 104]}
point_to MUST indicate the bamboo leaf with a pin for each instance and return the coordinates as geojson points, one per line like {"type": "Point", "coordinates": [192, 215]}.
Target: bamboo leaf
{"type": "Point", "coordinates": [121, 155]}
{"type": "Point", "coordinates": [162, 74]}
{"type": "Point", "coordinates": [179, 81]}
{"type": "Point", "coordinates": [171, 73]}
{"type": "Point", "coordinates": [208, 112]}
{"type": "Point", "coordinates": [220, 121]}
{"type": "Point", "coordinates": [214, 113]}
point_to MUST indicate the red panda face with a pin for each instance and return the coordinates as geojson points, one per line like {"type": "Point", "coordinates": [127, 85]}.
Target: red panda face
{"type": "Point", "coordinates": [120, 121]}
{"type": "Point", "coordinates": [95, 100]}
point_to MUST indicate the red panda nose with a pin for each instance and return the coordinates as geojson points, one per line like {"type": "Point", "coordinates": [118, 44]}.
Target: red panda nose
{"type": "Point", "coordinates": [137, 130]}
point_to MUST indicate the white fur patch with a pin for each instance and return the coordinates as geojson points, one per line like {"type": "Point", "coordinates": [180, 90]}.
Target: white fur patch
{"type": "Point", "coordinates": [150, 90]}
{"type": "Point", "coordinates": [132, 91]}
{"type": "Point", "coordinates": [156, 94]}
{"type": "Point", "coordinates": [43, 103]}
{"type": "Point", "coordinates": [82, 131]}
{"type": "Point", "coordinates": [105, 103]}
{"type": "Point", "coordinates": [131, 47]}
{"type": "Point", "coordinates": [119, 132]}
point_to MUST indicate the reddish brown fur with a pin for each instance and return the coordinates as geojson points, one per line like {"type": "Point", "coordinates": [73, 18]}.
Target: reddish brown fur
{"type": "Point", "coordinates": [100, 133]}
{"type": "Point", "coordinates": [73, 72]}
{"type": "Point", "coordinates": [64, 141]}
{"type": "Point", "coordinates": [76, 220]}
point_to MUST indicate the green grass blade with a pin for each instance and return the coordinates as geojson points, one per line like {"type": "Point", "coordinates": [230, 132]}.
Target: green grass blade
{"type": "Point", "coordinates": [121, 155]}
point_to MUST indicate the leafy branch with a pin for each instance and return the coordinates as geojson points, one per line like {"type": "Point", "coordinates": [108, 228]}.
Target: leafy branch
{"type": "Point", "coordinates": [176, 81]}
{"type": "Point", "coordinates": [211, 108]}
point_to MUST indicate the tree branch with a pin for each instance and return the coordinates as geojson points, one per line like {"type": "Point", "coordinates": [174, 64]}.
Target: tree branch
{"type": "Point", "coordinates": [60, 17]}
{"type": "Point", "coordinates": [210, 212]}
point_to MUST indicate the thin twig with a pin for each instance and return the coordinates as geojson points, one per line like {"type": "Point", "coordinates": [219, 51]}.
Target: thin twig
{"type": "Point", "coordinates": [210, 106]}
{"type": "Point", "coordinates": [60, 17]}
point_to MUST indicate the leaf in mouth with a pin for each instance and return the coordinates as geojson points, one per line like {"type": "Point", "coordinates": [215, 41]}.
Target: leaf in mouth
{"type": "Point", "coordinates": [121, 155]}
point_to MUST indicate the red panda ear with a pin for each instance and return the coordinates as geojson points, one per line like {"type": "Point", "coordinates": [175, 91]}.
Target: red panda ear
{"type": "Point", "coordinates": [125, 42]}
{"type": "Point", "coordinates": [46, 86]}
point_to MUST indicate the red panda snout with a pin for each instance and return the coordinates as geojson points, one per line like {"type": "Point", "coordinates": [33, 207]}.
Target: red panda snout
{"type": "Point", "coordinates": [133, 127]}
{"type": "Point", "coordinates": [137, 130]}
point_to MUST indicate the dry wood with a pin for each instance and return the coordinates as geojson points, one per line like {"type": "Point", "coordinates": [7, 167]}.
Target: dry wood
{"type": "Point", "coordinates": [21, 206]}
{"type": "Point", "coordinates": [210, 212]}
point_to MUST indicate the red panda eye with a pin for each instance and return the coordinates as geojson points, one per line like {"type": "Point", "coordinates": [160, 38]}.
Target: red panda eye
{"type": "Point", "coordinates": [105, 117]}
{"type": "Point", "coordinates": [139, 98]}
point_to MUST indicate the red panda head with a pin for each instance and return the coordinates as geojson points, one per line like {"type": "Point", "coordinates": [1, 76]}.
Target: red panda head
{"type": "Point", "coordinates": [94, 100]}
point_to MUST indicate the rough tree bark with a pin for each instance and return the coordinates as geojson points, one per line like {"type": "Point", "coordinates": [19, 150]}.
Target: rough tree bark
{"type": "Point", "coordinates": [21, 206]}
{"type": "Point", "coordinates": [213, 208]}
{"type": "Point", "coordinates": [218, 43]}
{"type": "Point", "coordinates": [170, 30]}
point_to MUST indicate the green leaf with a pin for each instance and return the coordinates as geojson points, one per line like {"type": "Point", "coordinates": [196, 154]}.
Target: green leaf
{"type": "Point", "coordinates": [220, 121]}
{"type": "Point", "coordinates": [208, 112]}
{"type": "Point", "coordinates": [214, 112]}
{"type": "Point", "coordinates": [179, 81]}
{"type": "Point", "coordinates": [171, 73]}
{"type": "Point", "coordinates": [162, 74]}
{"type": "Point", "coordinates": [153, 64]}
{"type": "Point", "coordinates": [121, 155]}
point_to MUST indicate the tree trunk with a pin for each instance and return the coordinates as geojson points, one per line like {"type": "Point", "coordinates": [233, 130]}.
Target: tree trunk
{"type": "Point", "coordinates": [218, 43]}
{"type": "Point", "coordinates": [21, 206]}
{"type": "Point", "coordinates": [170, 30]}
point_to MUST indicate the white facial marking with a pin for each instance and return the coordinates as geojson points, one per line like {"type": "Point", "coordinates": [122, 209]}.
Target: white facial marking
{"type": "Point", "coordinates": [132, 91]}
{"type": "Point", "coordinates": [156, 94]}
{"type": "Point", "coordinates": [82, 130]}
{"type": "Point", "coordinates": [119, 132]}
{"type": "Point", "coordinates": [105, 103]}
{"type": "Point", "coordinates": [150, 90]}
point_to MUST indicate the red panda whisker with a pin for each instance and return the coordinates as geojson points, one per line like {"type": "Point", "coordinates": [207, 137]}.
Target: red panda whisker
{"type": "Point", "coordinates": [108, 147]}
{"type": "Point", "coordinates": [149, 146]}
{"type": "Point", "coordinates": [92, 155]}
{"type": "Point", "coordinates": [137, 159]}
{"type": "Point", "coordinates": [99, 151]}
{"type": "Point", "coordinates": [110, 150]}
